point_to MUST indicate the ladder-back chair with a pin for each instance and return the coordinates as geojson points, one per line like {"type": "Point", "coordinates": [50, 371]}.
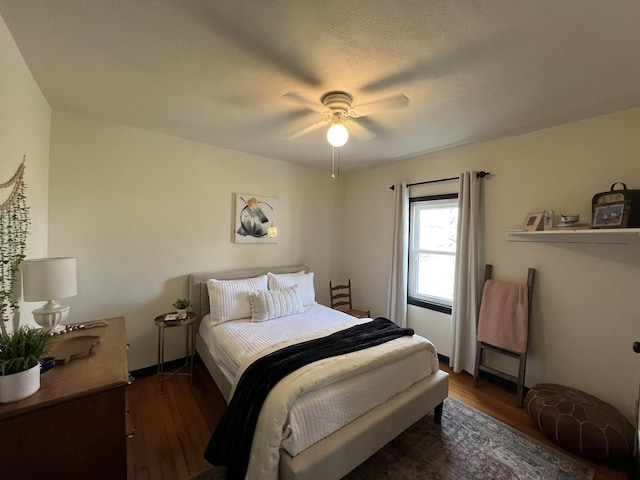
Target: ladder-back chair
{"type": "Point", "coordinates": [341, 298]}
{"type": "Point", "coordinates": [503, 327]}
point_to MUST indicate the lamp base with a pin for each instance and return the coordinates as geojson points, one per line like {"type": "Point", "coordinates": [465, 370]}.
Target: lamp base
{"type": "Point", "coordinates": [51, 316]}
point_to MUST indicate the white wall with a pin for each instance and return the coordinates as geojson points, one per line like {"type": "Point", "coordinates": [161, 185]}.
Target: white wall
{"type": "Point", "coordinates": [24, 130]}
{"type": "Point", "coordinates": [586, 310]}
{"type": "Point", "coordinates": [141, 210]}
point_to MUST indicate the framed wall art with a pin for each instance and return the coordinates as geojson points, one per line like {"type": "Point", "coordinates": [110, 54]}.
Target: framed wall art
{"type": "Point", "coordinates": [256, 219]}
{"type": "Point", "coordinates": [533, 222]}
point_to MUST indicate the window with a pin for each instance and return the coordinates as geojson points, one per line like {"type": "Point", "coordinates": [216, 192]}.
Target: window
{"type": "Point", "coordinates": [432, 251]}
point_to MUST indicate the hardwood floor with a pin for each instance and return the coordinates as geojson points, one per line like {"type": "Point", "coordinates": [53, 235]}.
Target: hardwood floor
{"type": "Point", "coordinates": [173, 428]}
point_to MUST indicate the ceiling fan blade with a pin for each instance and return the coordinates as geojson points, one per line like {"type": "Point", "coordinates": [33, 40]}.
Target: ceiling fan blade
{"type": "Point", "coordinates": [417, 72]}
{"type": "Point", "coordinates": [359, 131]}
{"type": "Point", "coordinates": [246, 36]}
{"type": "Point", "coordinates": [282, 123]}
{"type": "Point", "coordinates": [307, 129]}
{"type": "Point", "coordinates": [394, 101]}
{"type": "Point", "coordinates": [299, 99]}
{"type": "Point", "coordinates": [443, 62]}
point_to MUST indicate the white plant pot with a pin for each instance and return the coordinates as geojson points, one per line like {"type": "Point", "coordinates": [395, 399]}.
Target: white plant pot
{"type": "Point", "coordinates": [19, 385]}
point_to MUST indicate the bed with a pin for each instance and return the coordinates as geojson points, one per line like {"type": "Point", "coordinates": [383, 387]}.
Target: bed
{"type": "Point", "coordinates": [311, 443]}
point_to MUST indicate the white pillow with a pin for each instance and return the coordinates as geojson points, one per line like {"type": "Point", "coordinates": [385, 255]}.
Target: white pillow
{"type": "Point", "coordinates": [279, 281]}
{"type": "Point", "coordinates": [229, 299]}
{"type": "Point", "coordinates": [268, 304]}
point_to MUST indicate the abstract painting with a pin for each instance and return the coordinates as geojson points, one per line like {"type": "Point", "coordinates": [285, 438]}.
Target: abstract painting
{"type": "Point", "coordinates": [256, 219]}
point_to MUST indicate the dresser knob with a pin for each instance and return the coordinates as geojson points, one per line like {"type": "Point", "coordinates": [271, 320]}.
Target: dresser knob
{"type": "Point", "coordinates": [131, 433]}
{"type": "Point", "coordinates": [636, 347]}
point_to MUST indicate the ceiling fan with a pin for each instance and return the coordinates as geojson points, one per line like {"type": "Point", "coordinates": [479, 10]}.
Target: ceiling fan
{"type": "Point", "coordinates": [337, 110]}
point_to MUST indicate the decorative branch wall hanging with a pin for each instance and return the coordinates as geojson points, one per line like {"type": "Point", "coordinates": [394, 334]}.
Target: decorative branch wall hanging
{"type": "Point", "coordinates": [14, 222]}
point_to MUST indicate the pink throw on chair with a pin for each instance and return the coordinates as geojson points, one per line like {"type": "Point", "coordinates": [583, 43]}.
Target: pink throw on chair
{"type": "Point", "coordinates": [504, 315]}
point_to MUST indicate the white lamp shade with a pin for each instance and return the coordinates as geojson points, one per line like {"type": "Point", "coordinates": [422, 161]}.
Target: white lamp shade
{"type": "Point", "coordinates": [337, 135]}
{"type": "Point", "coordinates": [49, 278]}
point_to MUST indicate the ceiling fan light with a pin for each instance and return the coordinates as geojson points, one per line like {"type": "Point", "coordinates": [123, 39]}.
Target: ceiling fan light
{"type": "Point", "coordinates": [337, 135]}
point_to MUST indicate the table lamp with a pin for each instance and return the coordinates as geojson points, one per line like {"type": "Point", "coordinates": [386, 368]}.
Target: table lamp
{"type": "Point", "coordinates": [49, 279]}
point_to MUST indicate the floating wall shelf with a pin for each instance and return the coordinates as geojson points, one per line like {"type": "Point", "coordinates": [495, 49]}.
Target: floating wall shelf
{"type": "Point", "coordinates": [620, 236]}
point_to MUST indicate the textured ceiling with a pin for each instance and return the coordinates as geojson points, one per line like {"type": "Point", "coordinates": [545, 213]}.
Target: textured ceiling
{"type": "Point", "coordinates": [216, 71]}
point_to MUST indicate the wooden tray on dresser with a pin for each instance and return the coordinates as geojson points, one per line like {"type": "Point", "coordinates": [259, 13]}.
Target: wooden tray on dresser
{"type": "Point", "coordinates": [64, 349]}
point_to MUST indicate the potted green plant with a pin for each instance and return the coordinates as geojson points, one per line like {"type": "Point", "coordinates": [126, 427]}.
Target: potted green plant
{"type": "Point", "coordinates": [182, 304]}
{"type": "Point", "coordinates": [20, 354]}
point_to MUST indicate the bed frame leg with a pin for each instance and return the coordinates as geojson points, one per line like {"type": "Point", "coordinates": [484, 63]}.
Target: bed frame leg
{"type": "Point", "coordinates": [437, 413]}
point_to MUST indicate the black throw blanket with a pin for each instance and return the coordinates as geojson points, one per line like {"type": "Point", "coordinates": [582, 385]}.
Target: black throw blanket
{"type": "Point", "coordinates": [230, 443]}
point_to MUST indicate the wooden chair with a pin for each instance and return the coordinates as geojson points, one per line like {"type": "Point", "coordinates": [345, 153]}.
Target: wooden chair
{"type": "Point", "coordinates": [341, 297]}
{"type": "Point", "coordinates": [520, 356]}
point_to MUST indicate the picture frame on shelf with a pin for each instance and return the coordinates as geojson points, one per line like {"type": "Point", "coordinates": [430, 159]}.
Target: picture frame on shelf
{"type": "Point", "coordinates": [614, 215]}
{"type": "Point", "coordinates": [533, 222]}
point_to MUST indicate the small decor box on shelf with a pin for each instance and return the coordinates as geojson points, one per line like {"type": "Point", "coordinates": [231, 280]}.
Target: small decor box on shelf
{"type": "Point", "coordinates": [174, 317]}
{"type": "Point", "coordinates": [533, 222]}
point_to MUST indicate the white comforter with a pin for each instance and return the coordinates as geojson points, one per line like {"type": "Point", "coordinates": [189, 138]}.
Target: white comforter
{"type": "Point", "coordinates": [267, 440]}
{"type": "Point", "coordinates": [362, 379]}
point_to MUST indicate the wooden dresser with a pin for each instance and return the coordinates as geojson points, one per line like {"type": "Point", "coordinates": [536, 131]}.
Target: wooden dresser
{"type": "Point", "coordinates": [74, 426]}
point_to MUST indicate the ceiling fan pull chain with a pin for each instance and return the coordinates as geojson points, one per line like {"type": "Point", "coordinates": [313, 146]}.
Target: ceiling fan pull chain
{"type": "Point", "coordinates": [335, 165]}
{"type": "Point", "coordinates": [333, 162]}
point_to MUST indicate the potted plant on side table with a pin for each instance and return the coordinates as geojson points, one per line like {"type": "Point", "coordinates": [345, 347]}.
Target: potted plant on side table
{"type": "Point", "coordinates": [182, 304]}
{"type": "Point", "coordinates": [20, 354]}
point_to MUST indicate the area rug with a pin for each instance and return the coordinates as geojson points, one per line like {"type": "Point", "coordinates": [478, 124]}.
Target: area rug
{"type": "Point", "coordinates": [469, 445]}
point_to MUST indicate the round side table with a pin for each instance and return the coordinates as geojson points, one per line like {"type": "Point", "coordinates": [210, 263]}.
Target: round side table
{"type": "Point", "coordinates": [162, 325]}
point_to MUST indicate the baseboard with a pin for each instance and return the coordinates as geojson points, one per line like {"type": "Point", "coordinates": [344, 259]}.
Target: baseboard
{"type": "Point", "coordinates": [443, 359]}
{"type": "Point", "coordinates": [490, 377]}
{"type": "Point", "coordinates": [506, 384]}
{"type": "Point", "coordinates": [153, 369]}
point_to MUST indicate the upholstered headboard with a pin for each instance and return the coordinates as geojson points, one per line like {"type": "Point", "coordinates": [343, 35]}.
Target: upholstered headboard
{"type": "Point", "coordinates": [199, 295]}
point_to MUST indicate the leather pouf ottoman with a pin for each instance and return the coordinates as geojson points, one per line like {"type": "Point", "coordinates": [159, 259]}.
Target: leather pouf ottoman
{"type": "Point", "coordinates": [580, 422]}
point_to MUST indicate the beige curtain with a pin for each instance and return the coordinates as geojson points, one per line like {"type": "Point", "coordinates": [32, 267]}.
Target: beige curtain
{"type": "Point", "coordinates": [468, 268]}
{"type": "Point", "coordinates": [400, 259]}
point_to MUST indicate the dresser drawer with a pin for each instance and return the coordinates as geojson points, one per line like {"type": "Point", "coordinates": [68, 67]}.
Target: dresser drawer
{"type": "Point", "coordinates": [75, 425]}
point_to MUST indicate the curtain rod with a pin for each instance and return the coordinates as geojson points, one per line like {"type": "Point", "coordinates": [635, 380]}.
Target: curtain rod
{"type": "Point", "coordinates": [481, 174]}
